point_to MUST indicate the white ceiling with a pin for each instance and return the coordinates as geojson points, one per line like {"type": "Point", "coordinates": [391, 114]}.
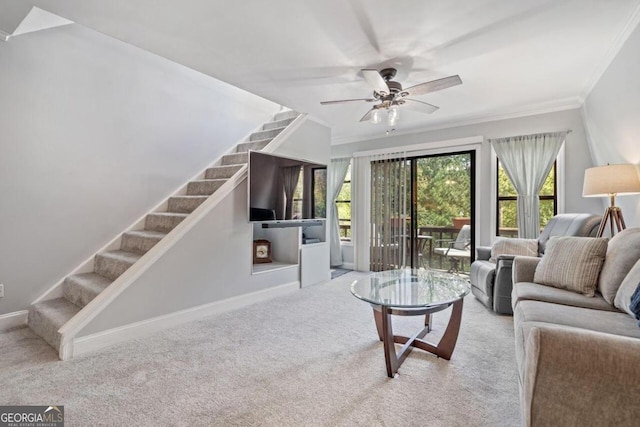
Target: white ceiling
{"type": "Point", "coordinates": [514, 57]}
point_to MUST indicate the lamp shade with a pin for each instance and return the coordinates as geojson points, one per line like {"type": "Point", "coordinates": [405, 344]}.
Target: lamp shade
{"type": "Point", "coordinates": [611, 179]}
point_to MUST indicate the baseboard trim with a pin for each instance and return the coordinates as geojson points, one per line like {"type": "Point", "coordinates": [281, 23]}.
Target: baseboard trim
{"type": "Point", "coordinates": [13, 320]}
{"type": "Point", "coordinates": [347, 266]}
{"type": "Point", "coordinates": [143, 328]}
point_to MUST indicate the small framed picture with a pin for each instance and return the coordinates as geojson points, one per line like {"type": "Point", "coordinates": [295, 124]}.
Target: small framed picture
{"type": "Point", "coordinates": [261, 251]}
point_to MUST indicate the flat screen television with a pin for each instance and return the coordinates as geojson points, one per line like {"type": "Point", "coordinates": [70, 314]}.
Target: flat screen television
{"type": "Point", "coordinates": [286, 189]}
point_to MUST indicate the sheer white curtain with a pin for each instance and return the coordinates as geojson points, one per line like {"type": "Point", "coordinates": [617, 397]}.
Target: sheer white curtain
{"type": "Point", "coordinates": [527, 161]}
{"type": "Point", "coordinates": [337, 172]}
{"type": "Point", "coordinates": [290, 177]}
{"type": "Point", "coordinates": [390, 183]}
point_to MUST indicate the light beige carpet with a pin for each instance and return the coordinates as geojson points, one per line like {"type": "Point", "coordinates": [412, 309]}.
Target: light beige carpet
{"type": "Point", "coordinates": [308, 359]}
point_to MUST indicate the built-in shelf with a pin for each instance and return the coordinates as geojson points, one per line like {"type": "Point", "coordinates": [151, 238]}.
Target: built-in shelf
{"type": "Point", "coordinates": [293, 223]}
{"type": "Point", "coordinates": [291, 242]}
{"type": "Point", "coordinates": [271, 266]}
{"type": "Point", "coordinates": [310, 241]}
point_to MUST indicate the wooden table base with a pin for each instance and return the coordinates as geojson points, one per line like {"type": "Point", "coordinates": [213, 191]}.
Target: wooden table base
{"type": "Point", "coordinates": [444, 348]}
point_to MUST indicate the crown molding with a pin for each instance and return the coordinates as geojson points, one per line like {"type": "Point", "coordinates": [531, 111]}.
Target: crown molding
{"type": "Point", "coordinates": [612, 52]}
{"type": "Point", "coordinates": [4, 36]}
{"type": "Point", "coordinates": [565, 104]}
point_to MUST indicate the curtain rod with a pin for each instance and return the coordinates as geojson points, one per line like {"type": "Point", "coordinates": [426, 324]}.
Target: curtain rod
{"type": "Point", "coordinates": [568, 131]}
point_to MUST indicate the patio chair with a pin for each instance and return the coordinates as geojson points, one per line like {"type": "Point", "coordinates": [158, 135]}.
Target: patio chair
{"type": "Point", "coordinates": [456, 251]}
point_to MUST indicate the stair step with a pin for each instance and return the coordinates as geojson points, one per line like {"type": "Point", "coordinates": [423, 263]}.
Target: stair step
{"type": "Point", "coordinates": [278, 124]}
{"type": "Point", "coordinates": [265, 134]}
{"type": "Point", "coordinates": [204, 186]}
{"type": "Point", "coordinates": [218, 172]}
{"type": "Point", "coordinates": [163, 221]}
{"type": "Point", "coordinates": [46, 317]}
{"type": "Point", "coordinates": [140, 241]}
{"type": "Point", "coordinates": [290, 114]}
{"type": "Point", "coordinates": [81, 289]}
{"type": "Point", "coordinates": [185, 204]}
{"type": "Point", "coordinates": [254, 145]}
{"type": "Point", "coordinates": [235, 159]}
{"type": "Point", "coordinates": [113, 263]}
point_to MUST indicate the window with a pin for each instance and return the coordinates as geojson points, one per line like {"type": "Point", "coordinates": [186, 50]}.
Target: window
{"type": "Point", "coordinates": [343, 203]}
{"type": "Point", "coordinates": [297, 197]}
{"type": "Point", "coordinates": [319, 193]}
{"type": "Point", "coordinates": [507, 215]}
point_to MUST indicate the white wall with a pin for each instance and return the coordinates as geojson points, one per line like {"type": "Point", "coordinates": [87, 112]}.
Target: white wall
{"type": "Point", "coordinates": [576, 154]}
{"type": "Point", "coordinates": [94, 133]}
{"type": "Point", "coordinates": [612, 117]}
{"type": "Point", "coordinates": [213, 261]}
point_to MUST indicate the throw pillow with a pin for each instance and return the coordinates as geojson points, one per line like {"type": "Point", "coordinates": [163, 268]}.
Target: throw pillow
{"type": "Point", "coordinates": [622, 253]}
{"type": "Point", "coordinates": [627, 288]}
{"type": "Point", "coordinates": [572, 263]}
{"type": "Point", "coordinates": [507, 246]}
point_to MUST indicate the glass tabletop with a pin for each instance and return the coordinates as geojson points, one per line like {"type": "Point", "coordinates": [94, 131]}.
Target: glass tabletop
{"type": "Point", "coordinates": [410, 288]}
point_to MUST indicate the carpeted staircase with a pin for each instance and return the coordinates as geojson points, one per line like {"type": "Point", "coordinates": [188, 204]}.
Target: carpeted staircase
{"type": "Point", "coordinates": [47, 317]}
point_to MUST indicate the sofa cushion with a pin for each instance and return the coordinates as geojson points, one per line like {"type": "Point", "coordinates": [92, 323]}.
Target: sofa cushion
{"type": "Point", "coordinates": [527, 291]}
{"type": "Point", "coordinates": [622, 253]}
{"type": "Point", "coordinates": [609, 322]}
{"type": "Point", "coordinates": [528, 314]}
{"type": "Point", "coordinates": [509, 246]}
{"type": "Point", "coordinates": [572, 263]}
{"type": "Point", "coordinates": [627, 288]}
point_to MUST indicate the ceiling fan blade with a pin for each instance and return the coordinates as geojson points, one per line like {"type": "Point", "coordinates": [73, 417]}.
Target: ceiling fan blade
{"type": "Point", "coordinates": [420, 106]}
{"type": "Point", "coordinates": [341, 101]}
{"type": "Point", "coordinates": [367, 116]}
{"type": "Point", "coordinates": [376, 81]}
{"type": "Point", "coordinates": [434, 85]}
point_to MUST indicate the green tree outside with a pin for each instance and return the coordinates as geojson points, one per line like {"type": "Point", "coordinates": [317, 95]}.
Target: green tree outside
{"type": "Point", "coordinates": [443, 185]}
{"type": "Point", "coordinates": [508, 208]}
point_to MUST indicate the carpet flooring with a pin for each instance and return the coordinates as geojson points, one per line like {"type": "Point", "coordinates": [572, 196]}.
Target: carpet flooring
{"type": "Point", "coordinates": [311, 358]}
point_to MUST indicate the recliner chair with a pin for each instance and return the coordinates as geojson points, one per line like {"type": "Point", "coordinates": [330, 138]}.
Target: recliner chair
{"type": "Point", "coordinates": [491, 282]}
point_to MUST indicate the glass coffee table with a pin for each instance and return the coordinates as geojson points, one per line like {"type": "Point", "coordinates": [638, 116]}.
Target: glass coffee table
{"type": "Point", "coordinates": [413, 292]}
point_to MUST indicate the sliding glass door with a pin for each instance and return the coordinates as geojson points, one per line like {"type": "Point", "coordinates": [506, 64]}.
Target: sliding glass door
{"type": "Point", "coordinates": [443, 202]}
{"type": "Point", "coordinates": [422, 212]}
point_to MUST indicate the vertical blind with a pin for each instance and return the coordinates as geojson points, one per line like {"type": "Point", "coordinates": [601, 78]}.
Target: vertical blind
{"type": "Point", "coordinates": [390, 187]}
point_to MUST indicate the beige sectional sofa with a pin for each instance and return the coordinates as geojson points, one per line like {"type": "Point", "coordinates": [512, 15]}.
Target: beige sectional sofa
{"type": "Point", "coordinates": [578, 357]}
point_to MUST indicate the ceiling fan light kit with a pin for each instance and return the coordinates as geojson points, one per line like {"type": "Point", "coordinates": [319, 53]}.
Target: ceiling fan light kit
{"type": "Point", "coordinates": [392, 117]}
{"type": "Point", "coordinates": [376, 117]}
{"type": "Point", "coordinates": [391, 95]}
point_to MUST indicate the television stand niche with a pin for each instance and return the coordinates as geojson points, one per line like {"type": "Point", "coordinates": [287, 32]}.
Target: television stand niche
{"type": "Point", "coordinates": [295, 244]}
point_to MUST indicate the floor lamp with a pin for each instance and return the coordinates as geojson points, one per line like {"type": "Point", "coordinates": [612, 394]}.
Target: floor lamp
{"type": "Point", "coordinates": [612, 181]}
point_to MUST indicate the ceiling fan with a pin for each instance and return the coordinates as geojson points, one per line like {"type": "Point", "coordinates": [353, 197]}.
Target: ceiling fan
{"type": "Point", "coordinates": [390, 94]}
